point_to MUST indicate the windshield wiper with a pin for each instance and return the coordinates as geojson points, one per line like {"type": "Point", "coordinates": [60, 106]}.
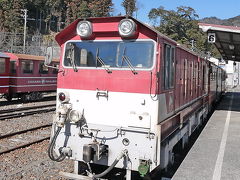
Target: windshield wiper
{"type": "Point", "coordinates": [72, 58]}
{"type": "Point", "coordinates": [127, 60]}
{"type": "Point", "coordinates": [98, 59]}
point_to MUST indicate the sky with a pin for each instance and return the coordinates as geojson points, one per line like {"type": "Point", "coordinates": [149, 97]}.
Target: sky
{"type": "Point", "coordinates": [222, 9]}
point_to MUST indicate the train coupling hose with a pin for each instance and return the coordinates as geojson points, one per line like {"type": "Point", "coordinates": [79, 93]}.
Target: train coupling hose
{"type": "Point", "coordinates": [124, 153]}
{"type": "Point", "coordinates": [62, 156]}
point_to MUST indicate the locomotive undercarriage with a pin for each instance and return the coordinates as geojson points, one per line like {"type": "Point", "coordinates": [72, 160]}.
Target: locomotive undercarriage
{"type": "Point", "coordinates": [114, 147]}
{"type": "Point", "coordinates": [25, 97]}
{"type": "Point", "coordinates": [182, 135]}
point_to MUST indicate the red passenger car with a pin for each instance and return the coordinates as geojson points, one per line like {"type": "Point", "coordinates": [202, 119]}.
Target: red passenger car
{"type": "Point", "coordinates": [4, 74]}
{"type": "Point", "coordinates": [28, 77]}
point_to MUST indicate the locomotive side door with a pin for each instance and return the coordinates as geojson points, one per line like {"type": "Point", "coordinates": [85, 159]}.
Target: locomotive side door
{"type": "Point", "coordinates": [169, 76]}
{"type": "Point", "coordinates": [178, 78]}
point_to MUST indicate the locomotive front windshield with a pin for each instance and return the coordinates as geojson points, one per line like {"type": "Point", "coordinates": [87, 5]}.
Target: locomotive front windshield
{"type": "Point", "coordinates": [110, 54]}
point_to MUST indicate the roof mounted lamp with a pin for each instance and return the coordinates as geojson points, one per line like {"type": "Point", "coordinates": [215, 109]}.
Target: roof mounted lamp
{"type": "Point", "coordinates": [127, 28]}
{"type": "Point", "coordinates": [84, 29]}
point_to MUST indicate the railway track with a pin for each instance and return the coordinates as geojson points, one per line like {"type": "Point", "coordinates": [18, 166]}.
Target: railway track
{"type": "Point", "coordinates": [18, 101]}
{"type": "Point", "coordinates": [26, 111]}
{"type": "Point", "coordinates": [24, 138]}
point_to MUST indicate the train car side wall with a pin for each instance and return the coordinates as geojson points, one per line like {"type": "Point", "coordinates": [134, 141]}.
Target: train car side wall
{"type": "Point", "coordinates": [4, 75]}
{"type": "Point", "coordinates": [187, 85]}
{"type": "Point", "coordinates": [28, 78]}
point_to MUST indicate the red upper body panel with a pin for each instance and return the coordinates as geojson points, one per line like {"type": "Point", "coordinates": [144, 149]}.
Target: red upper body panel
{"type": "Point", "coordinates": [118, 80]}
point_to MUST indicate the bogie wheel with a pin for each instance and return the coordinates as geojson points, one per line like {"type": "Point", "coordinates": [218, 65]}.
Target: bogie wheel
{"type": "Point", "coordinates": [39, 96]}
{"type": "Point", "coordinates": [25, 98]}
{"type": "Point", "coordinates": [32, 96]}
{"type": "Point", "coordinates": [8, 97]}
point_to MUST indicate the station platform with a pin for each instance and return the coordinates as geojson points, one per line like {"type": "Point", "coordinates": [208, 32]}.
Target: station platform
{"type": "Point", "coordinates": [216, 153]}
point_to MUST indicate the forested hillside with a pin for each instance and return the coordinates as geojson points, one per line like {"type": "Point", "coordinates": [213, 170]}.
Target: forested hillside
{"type": "Point", "coordinates": [48, 15]}
{"type": "Point", "coordinates": [235, 21]}
{"type": "Point", "coordinates": [45, 18]}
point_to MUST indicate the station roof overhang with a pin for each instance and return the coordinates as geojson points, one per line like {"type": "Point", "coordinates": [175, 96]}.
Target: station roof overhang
{"type": "Point", "coordinates": [225, 38]}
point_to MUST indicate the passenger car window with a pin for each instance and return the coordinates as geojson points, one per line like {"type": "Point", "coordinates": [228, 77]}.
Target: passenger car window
{"type": "Point", "coordinates": [13, 67]}
{"type": "Point", "coordinates": [2, 65]}
{"type": "Point", "coordinates": [43, 69]}
{"type": "Point", "coordinates": [27, 67]}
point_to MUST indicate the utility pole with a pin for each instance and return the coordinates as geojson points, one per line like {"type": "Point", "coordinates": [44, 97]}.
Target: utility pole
{"type": "Point", "coordinates": [40, 22]}
{"type": "Point", "coordinates": [25, 28]}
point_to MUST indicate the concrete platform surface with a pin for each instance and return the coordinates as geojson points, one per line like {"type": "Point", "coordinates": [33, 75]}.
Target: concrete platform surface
{"type": "Point", "coordinates": [216, 153]}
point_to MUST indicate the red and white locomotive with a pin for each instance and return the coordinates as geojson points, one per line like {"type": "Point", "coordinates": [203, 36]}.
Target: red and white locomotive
{"type": "Point", "coordinates": [25, 76]}
{"type": "Point", "coordinates": [127, 95]}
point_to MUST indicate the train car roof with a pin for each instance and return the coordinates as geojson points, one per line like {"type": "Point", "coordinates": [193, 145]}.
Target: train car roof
{"type": "Point", "coordinates": [69, 32]}
{"type": "Point", "coordinates": [3, 55]}
{"type": "Point", "coordinates": [27, 57]}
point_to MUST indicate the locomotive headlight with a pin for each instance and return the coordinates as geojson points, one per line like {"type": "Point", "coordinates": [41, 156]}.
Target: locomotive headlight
{"type": "Point", "coordinates": [127, 27]}
{"type": "Point", "coordinates": [84, 29]}
{"type": "Point", "coordinates": [63, 97]}
{"type": "Point", "coordinates": [74, 116]}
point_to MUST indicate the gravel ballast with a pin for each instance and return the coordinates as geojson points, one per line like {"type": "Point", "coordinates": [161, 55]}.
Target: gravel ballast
{"type": "Point", "coordinates": [31, 162]}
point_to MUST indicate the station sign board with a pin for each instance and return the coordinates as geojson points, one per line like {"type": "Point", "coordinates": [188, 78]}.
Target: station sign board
{"type": "Point", "coordinates": [211, 37]}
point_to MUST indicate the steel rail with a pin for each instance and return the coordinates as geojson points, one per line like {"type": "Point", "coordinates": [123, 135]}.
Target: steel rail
{"type": "Point", "coordinates": [27, 113]}
{"type": "Point", "coordinates": [24, 131]}
{"type": "Point", "coordinates": [25, 108]}
{"type": "Point", "coordinates": [24, 145]}
{"type": "Point", "coordinates": [17, 101]}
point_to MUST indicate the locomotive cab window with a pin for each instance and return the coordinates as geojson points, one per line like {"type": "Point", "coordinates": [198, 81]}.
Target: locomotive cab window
{"type": "Point", "coordinates": [141, 59]}
{"type": "Point", "coordinates": [13, 67]}
{"type": "Point", "coordinates": [168, 72]}
{"type": "Point", "coordinates": [109, 54]}
{"type": "Point", "coordinates": [2, 65]}
{"type": "Point", "coordinates": [43, 69]}
{"type": "Point", "coordinates": [27, 67]}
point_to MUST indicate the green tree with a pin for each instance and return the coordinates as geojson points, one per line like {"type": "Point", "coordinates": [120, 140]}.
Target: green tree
{"type": "Point", "coordinates": [87, 8]}
{"type": "Point", "coordinates": [10, 15]}
{"type": "Point", "coordinates": [46, 16]}
{"type": "Point", "coordinates": [129, 6]}
{"type": "Point", "coordinates": [55, 15]}
{"type": "Point", "coordinates": [101, 8]}
{"type": "Point", "coordinates": [182, 26]}
{"type": "Point", "coordinates": [76, 9]}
